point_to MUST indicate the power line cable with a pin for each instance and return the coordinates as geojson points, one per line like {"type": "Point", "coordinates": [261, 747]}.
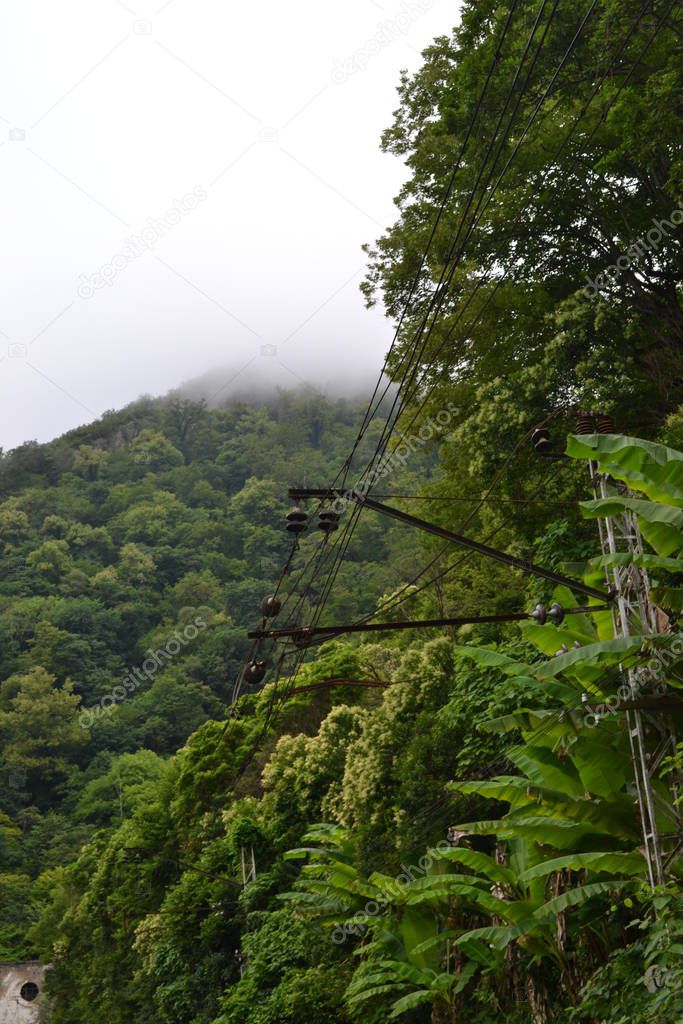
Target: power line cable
{"type": "Point", "coordinates": [535, 189]}
{"type": "Point", "coordinates": [343, 546]}
{"type": "Point", "coordinates": [394, 602]}
{"type": "Point", "coordinates": [543, 97]}
{"type": "Point", "coordinates": [444, 286]}
{"type": "Point", "coordinates": [438, 294]}
{"type": "Point", "coordinates": [449, 188]}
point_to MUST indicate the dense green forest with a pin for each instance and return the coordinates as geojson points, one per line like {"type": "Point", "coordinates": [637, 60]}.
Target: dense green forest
{"type": "Point", "coordinates": [124, 863]}
{"type": "Point", "coordinates": [157, 529]}
{"type": "Point", "coordinates": [458, 839]}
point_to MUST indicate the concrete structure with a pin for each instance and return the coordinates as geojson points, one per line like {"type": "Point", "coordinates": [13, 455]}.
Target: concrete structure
{"type": "Point", "coordinates": [21, 992]}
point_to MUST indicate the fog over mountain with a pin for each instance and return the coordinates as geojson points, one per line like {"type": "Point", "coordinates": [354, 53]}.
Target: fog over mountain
{"type": "Point", "coordinates": [257, 383]}
{"type": "Point", "coordinates": [190, 187]}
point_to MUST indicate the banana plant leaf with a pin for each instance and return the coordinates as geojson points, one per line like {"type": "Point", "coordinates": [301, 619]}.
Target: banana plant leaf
{"type": "Point", "coordinates": [489, 658]}
{"type": "Point", "coordinates": [652, 468]}
{"type": "Point", "coordinates": [481, 862]}
{"type": "Point", "coordinates": [581, 894]}
{"type": "Point", "coordinates": [612, 863]}
{"type": "Point", "coordinates": [543, 768]}
{"type": "Point", "coordinates": [604, 653]}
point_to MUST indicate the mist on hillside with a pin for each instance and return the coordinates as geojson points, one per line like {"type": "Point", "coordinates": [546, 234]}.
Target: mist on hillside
{"type": "Point", "coordinates": [257, 384]}
{"type": "Point", "coordinates": [182, 205]}
{"type": "Point", "coordinates": [221, 387]}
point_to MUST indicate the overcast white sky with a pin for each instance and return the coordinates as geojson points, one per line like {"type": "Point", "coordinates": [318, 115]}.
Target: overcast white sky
{"type": "Point", "coordinates": [114, 110]}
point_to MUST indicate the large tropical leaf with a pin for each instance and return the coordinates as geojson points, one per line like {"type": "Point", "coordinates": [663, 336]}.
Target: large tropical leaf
{"type": "Point", "coordinates": [489, 658]}
{"type": "Point", "coordinates": [580, 894]}
{"type": "Point", "coordinates": [497, 936]}
{"type": "Point", "coordinates": [411, 1002]}
{"type": "Point", "coordinates": [543, 768]}
{"type": "Point", "coordinates": [610, 863]}
{"type": "Point", "coordinates": [387, 974]}
{"type": "Point", "coordinates": [481, 862]}
{"type": "Point", "coordinates": [653, 469]}
{"type": "Point", "coordinates": [661, 525]}
{"type": "Point", "coordinates": [601, 654]}
{"type": "Point", "coordinates": [415, 928]}
{"type": "Point", "coordinates": [642, 561]}
{"type": "Point", "coordinates": [603, 768]}
{"type": "Point", "coordinates": [436, 940]}
{"type": "Point", "coordinates": [549, 639]}
{"type": "Point", "coordinates": [541, 727]}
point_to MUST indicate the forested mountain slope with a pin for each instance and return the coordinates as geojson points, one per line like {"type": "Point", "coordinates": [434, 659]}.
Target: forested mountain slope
{"type": "Point", "coordinates": [127, 865]}
{"type": "Point", "coordinates": [459, 841]}
{"type": "Point", "coordinates": [135, 553]}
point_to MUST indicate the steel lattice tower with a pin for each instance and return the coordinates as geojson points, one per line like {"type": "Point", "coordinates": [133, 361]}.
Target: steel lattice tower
{"type": "Point", "coordinates": [651, 734]}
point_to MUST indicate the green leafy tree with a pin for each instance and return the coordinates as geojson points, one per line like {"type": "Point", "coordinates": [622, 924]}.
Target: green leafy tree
{"type": "Point", "coordinates": [40, 730]}
{"type": "Point", "coordinates": [596, 180]}
{"type": "Point", "coordinates": [153, 451]}
{"type": "Point", "coordinates": [130, 781]}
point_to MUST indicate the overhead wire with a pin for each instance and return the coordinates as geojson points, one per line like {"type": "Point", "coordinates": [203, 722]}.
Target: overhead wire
{"type": "Point", "coordinates": [436, 297]}
{"type": "Point", "coordinates": [278, 693]}
{"type": "Point", "coordinates": [501, 472]}
{"type": "Point", "coordinates": [313, 564]}
{"type": "Point", "coordinates": [343, 544]}
{"type": "Point", "coordinates": [537, 185]}
{"type": "Point", "coordinates": [466, 522]}
{"type": "Point", "coordinates": [569, 134]}
{"type": "Point", "coordinates": [395, 600]}
{"type": "Point", "coordinates": [455, 251]}
{"type": "Point", "coordinates": [445, 284]}
{"type": "Point", "coordinates": [435, 225]}
{"type": "Point", "coordinates": [439, 293]}
{"type": "Point", "coordinates": [474, 499]}
{"type": "Point", "coordinates": [450, 264]}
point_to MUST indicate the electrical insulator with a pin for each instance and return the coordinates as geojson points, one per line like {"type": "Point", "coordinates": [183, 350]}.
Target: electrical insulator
{"type": "Point", "coordinates": [556, 613]}
{"type": "Point", "coordinates": [254, 671]}
{"type": "Point", "coordinates": [270, 606]}
{"type": "Point", "coordinates": [605, 423]}
{"type": "Point", "coordinates": [303, 638]}
{"type": "Point", "coordinates": [296, 520]}
{"type": "Point", "coordinates": [328, 520]}
{"type": "Point", "coordinates": [540, 614]}
{"type": "Point", "coordinates": [584, 423]}
{"type": "Point", "coordinates": [540, 439]}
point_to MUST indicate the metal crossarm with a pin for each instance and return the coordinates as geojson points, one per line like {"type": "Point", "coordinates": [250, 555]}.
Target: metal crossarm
{"type": "Point", "coordinates": [302, 633]}
{"type": "Point", "coordinates": [300, 494]}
